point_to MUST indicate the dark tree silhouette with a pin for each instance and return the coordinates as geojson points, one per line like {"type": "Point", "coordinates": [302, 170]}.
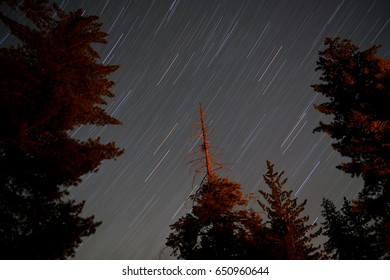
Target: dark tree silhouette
{"type": "Point", "coordinates": [356, 84]}
{"type": "Point", "coordinates": [220, 227]}
{"type": "Point", "coordinates": [215, 228]}
{"type": "Point", "coordinates": [51, 83]}
{"type": "Point", "coordinates": [350, 235]}
{"type": "Point", "coordinates": [288, 234]}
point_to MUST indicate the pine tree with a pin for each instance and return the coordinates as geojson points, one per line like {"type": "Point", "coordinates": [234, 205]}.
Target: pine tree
{"type": "Point", "coordinates": [289, 236]}
{"type": "Point", "coordinates": [215, 228]}
{"type": "Point", "coordinates": [350, 234]}
{"type": "Point", "coordinates": [52, 83]}
{"type": "Point", "coordinates": [357, 84]}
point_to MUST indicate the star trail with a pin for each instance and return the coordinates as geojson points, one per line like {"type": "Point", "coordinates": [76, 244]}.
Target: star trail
{"type": "Point", "coordinates": [251, 63]}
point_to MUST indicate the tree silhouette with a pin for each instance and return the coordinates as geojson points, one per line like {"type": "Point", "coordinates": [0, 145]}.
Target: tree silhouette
{"type": "Point", "coordinates": [289, 237]}
{"type": "Point", "coordinates": [220, 227]}
{"type": "Point", "coordinates": [356, 84]}
{"type": "Point", "coordinates": [350, 235]}
{"type": "Point", "coordinates": [215, 228]}
{"type": "Point", "coordinates": [51, 84]}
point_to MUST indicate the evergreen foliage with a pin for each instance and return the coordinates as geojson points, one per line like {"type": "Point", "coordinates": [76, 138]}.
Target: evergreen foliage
{"type": "Point", "coordinates": [289, 236]}
{"type": "Point", "coordinates": [356, 84]}
{"type": "Point", "coordinates": [214, 229]}
{"type": "Point", "coordinates": [51, 84]}
{"type": "Point", "coordinates": [350, 234]}
{"type": "Point", "coordinates": [220, 227]}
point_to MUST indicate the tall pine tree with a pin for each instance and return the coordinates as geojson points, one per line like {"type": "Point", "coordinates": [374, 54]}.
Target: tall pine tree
{"type": "Point", "coordinates": [356, 84]}
{"type": "Point", "coordinates": [51, 83]}
{"type": "Point", "coordinates": [215, 228]}
{"type": "Point", "coordinates": [287, 232]}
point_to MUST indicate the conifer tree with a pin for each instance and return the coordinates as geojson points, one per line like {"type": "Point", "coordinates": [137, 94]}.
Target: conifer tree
{"type": "Point", "coordinates": [287, 232]}
{"type": "Point", "coordinates": [51, 84]}
{"type": "Point", "coordinates": [356, 84]}
{"type": "Point", "coordinates": [215, 228]}
{"type": "Point", "coordinates": [350, 235]}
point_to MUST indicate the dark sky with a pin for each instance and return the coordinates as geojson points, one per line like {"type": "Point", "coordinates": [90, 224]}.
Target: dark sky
{"type": "Point", "coordinates": [251, 63]}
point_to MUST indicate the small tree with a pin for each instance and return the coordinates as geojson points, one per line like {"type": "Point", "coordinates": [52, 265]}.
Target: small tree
{"type": "Point", "coordinates": [51, 83]}
{"type": "Point", "coordinates": [289, 237]}
{"type": "Point", "coordinates": [350, 235]}
{"type": "Point", "coordinates": [215, 227]}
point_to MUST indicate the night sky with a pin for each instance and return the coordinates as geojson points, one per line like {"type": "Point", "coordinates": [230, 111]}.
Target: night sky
{"type": "Point", "coordinates": [251, 64]}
